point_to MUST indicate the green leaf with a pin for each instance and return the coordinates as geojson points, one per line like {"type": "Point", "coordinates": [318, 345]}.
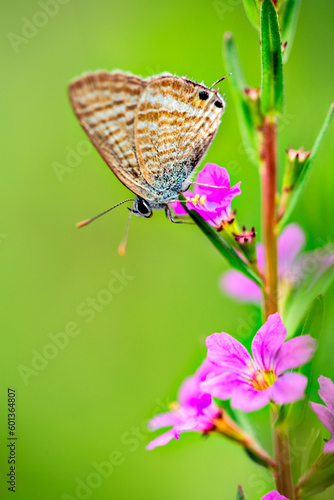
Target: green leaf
{"type": "Point", "coordinates": [271, 61]}
{"type": "Point", "coordinates": [255, 458]}
{"type": "Point", "coordinates": [224, 248]}
{"type": "Point", "coordinates": [233, 63]}
{"type": "Point", "coordinates": [306, 171]}
{"type": "Point", "coordinates": [252, 8]}
{"type": "Point", "coordinates": [288, 16]}
{"type": "Point", "coordinates": [315, 317]}
{"type": "Point", "coordinates": [319, 477]}
{"type": "Point", "coordinates": [238, 85]}
{"type": "Point", "coordinates": [313, 324]}
{"type": "Point", "coordinates": [240, 494]}
{"type": "Point", "coordinates": [304, 296]}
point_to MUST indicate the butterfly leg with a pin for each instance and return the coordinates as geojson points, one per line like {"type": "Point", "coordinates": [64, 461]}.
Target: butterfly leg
{"type": "Point", "coordinates": [170, 217]}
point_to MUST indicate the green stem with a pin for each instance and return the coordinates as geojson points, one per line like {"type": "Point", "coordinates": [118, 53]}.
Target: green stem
{"type": "Point", "coordinates": [283, 475]}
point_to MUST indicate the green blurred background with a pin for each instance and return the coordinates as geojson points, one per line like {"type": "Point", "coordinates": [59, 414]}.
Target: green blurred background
{"type": "Point", "coordinates": [93, 396]}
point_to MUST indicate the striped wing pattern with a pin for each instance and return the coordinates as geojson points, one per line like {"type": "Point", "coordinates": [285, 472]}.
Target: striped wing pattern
{"type": "Point", "coordinates": [105, 104]}
{"type": "Point", "coordinates": [152, 133]}
{"type": "Point", "coordinates": [174, 128]}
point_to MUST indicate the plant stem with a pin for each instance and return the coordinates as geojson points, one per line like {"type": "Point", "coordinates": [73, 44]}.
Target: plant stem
{"type": "Point", "coordinates": [269, 174]}
{"type": "Point", "coordinates": [283, 475]}
{"type": "Point", "coordinates": [230, 429]}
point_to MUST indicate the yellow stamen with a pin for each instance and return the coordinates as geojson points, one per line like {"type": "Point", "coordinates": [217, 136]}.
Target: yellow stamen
{"type": "Point", "coordinates": [263, 379]}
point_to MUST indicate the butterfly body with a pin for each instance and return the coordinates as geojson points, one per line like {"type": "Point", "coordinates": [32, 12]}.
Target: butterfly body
{"type": "Point", "coordinates": [151, 132]}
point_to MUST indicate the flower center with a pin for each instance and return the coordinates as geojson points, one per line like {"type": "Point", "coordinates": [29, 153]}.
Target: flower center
{"type": "Point", "coordinates": [263, 379]}
{"type": "Point", "coordinates": [197, 199]}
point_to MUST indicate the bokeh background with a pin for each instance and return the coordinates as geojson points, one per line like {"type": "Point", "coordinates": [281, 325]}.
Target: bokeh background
{"type": "Point", "coordinates": [90, 400]}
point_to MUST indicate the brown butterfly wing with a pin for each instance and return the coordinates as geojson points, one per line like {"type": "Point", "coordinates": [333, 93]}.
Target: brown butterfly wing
{"type": "Point", "coordinates": [174, 127]}
{"type": "Point", "coordinates": [105, 104]}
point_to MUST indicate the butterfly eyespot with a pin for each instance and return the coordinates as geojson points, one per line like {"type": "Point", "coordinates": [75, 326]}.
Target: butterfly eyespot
{"type": "Point", "coordinates": [203, 95]}
{"type": "Point", "coordinates": [218, 104]}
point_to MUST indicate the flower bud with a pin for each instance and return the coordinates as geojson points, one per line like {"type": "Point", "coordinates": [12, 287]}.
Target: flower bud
{"type": "Point", "coordinates": [294, 164]}
{"type": "Point", "coordinates": [246, 240]}
{"type": "Point", "coordinates": [253, 102]}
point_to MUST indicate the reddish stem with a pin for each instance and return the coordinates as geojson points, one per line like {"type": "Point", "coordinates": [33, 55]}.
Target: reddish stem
{"type": "Point", "coordinates": [269, 174]}
{"type": "Point", "coordinates": [283, 475]}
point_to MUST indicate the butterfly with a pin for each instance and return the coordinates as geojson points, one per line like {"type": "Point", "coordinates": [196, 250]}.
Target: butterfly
{"type": "Point", "coordinates": [151, 132]}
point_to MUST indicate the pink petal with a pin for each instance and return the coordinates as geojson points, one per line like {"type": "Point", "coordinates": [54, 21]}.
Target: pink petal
{"type": "Point", "coordinates": [213, 175]}
{"type": "Point", "coordinates": [161, 440]}
{"type": "Point", "coordinates": [329, 446]}
{"type": "Point", "coordinates": [210, 216]}
{"type": "Point", "coordinates": [167, 419]}
{"type": "Point", "coordinates": [238, 286]}
{"type": "Point", "coordinates": [219, 193]}
{"type": "Point", "coordinates": [290, 243]}
{"type": "Point", "coordinates": [312, 265]}
{"type": "Point", "coordinates": [222, 386]}
{"type": "Point", "coordinates": [274, 495]}
{"type": "Point", "coordinates": [324, 415]}
{"type": "Point", "coordinates": [227, 352]}
{"type": "Point", "coordinates": [189, 391]}
{"type": "Point", "coordinates": [295, 352]}
{"type": "Point", "coordinates": [268, 341]}
{"type": "Point", "coordinates": [288, 388]}
{"type": "Point", "coordinates": [326, 392]}
{"type": "Point", "coordinates": [246, 398]}
{"type": "Point", "coordinates": [204, 370]}
{"type": "Point", "coordinates": [191, 424]}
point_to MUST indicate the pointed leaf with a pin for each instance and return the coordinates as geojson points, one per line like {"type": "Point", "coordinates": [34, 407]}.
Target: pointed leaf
{"type": "Point", "coordinates": [313, 324]}
{"type": "Point", "coordinates": [288, 16]}
{"type": "Point", "coordinates": [306, 171]}
{"type": "Point", "coordinates": [238, 85]}
{"type": "Point", "coordinates": [271, 61]}
{"type": "Point", "coordinates": [224, 248]}
{"type": "Point", "coordinates": [315, 317]}
{"type": "Point", "coordinates": [233, 63]}
{"type": "Point", "coordinates": [255, 458]}
{"type": "Point", "coordinates": [252, 8]}
{"type": "Point", "coordinates": [319, 477]}
{"type": "Point", "coordinates": [304, 297]}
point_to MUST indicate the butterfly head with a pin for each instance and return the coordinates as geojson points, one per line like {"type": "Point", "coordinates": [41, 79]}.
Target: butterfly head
{"type": "Point", "coordinates": [141, 208]}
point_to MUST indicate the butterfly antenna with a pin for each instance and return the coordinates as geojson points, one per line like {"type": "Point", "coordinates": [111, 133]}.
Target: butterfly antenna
{"type": "Point", "coordinates": [220, 80]}
{"type": "Point", "coordinates": [122, 247]}
{"type": "Point", "coordinates": [88, 221]}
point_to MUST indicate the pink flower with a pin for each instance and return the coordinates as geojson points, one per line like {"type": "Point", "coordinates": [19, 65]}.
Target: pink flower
{"type": "Point", "coordinates": [290, 242]}
{"type": "Point", "coordinates": [194, 410]}
{"type": "Point", "coordinates": [326, 413]}
{"type": "Point", "coordinates": [252, 384]}
{"type": "Point", "coordinates": [293, 267]}
{"type": "Point", "coordinates": [274, 495]}
{"type": "Point", "coordinates": [213, 203]}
